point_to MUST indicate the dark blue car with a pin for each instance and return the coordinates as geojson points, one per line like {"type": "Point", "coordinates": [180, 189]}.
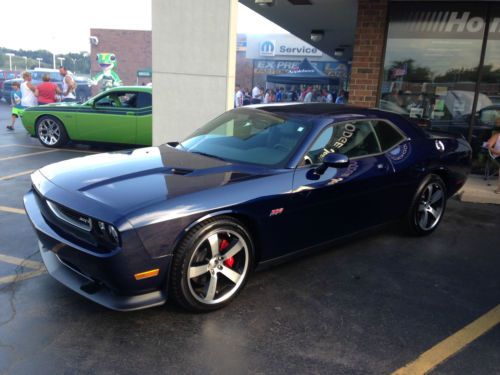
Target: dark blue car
{"type": "Point", "coordinates": [191, 220]}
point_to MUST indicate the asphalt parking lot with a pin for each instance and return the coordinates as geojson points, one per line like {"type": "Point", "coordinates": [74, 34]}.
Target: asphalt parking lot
{"type": "Point", "coordinates": [371, 306]}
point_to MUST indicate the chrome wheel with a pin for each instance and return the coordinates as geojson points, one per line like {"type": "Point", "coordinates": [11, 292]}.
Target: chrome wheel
{"type": "Point", "coordinates": [430, 206]}
{"type": "Point", "coordinates": [218, 266]}
{"type": "Point", "coordinates": [49, 131]}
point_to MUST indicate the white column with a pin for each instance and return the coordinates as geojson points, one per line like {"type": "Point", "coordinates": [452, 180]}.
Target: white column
{"type": "Point", "coordinates": [194, 63]}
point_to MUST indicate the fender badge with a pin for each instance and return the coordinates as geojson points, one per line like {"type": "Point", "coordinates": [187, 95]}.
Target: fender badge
{"type": "Point", "coordinates": [440, 146]}
{"type": "Point", "coordinates": [276, 211]}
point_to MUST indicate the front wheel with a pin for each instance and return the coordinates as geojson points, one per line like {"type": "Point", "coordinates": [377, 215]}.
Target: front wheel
{"type": "Point", "coordinates": [428, 206]}
{"type": "Point", "coordinates": [51, 132]}
{"type": "Point", "coordinates": [211, 265]}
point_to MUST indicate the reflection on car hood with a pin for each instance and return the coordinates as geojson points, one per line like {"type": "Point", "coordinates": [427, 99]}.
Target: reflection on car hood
{"type": "Point", "coordinates": [131, 179]}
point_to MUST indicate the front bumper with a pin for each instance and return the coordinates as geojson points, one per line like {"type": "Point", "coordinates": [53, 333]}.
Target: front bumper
{"type": "Point", "coordinates": [105, 279]}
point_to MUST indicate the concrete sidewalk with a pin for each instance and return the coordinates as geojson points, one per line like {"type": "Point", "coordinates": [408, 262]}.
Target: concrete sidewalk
{"type": "Point", "coordinates": [476, 190]}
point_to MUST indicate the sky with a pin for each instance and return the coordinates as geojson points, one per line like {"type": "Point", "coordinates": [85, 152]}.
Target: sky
{"type": "Point", "coordinates": [48, 29]}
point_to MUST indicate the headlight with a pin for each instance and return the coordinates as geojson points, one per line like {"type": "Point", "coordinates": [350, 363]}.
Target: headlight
{"type": "Point", "coordinates": [114, 234]}
{"type": "Point", "coordinates": [106, 234]}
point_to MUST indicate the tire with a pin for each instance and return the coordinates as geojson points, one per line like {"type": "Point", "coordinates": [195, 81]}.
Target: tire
{"type": "Point", "coordinates": [428, 206]}
{"type": "Point", "coordinates": [51, 132]}
{"type": "Point", "coordinates": [211, 264]}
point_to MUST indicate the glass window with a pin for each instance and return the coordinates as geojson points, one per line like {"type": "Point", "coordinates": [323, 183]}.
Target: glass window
{"type": "Point", "coordinates": [249, 137]}
{"type": "Point", "coordinates": [387, 135]}
{"type": "Point", "coordinates": [352, 139]}
{"type": "Point", "coordinates": [431, 63]}
{"type": "Point", "coordinates": [118, 100]}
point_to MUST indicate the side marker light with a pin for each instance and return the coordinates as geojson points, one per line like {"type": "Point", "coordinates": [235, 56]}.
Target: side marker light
{"type": "Point", "coordinates": [147, 274]}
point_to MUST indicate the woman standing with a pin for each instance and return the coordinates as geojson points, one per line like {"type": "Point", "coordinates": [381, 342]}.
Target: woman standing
{"type": "Point", "coordinates": [494, 149]}
{"type": "Point", "coordinates": [46, 91]}
{"type": "Point", "coordinates": [28, 90]}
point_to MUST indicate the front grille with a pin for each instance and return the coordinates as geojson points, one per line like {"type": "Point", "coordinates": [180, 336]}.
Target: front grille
{"type": "Point", "coordinates": [70, 216]}
{"type": "Point", "coordinates": [67, 224]}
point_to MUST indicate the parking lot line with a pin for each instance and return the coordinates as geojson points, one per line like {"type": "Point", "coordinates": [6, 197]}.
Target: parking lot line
{"type": "Point", "coordinates": [59, 149]}
{"type": "Point", "coordinates": [21, 276]}
{"type": "Point", "coordinates": [21, 262]}
{"type": "Point", "coordinates": [24, 155]}
{"type": "Point", "coordinates": [16, 175]}
{"type": "Point", "coordinates": [450, 346]}
{"type": "Point", "coordinates": [13, 210]}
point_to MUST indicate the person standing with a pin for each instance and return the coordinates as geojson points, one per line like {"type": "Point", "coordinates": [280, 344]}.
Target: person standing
{"type": "Point", "coordinates": [68, 86]}
{"type": "Point", "coordinates": [328, 97]}
{"type": "Point", "coordinates": [238, 97]}
{"type": "Point", "coordinates": [493, 145]}
{"type": "Point", "coordinates": [15, 101]}
{"type": "Point", "coordinates": [308, 95]}
{"type": "Point", "coordinates": [28, 91]}
{"type": "Point", "coordinates": [256, 97]}
{"type": "Point", "coordinates": [341, 98]}
{"type": "Point", "coordinates": [47, 91]}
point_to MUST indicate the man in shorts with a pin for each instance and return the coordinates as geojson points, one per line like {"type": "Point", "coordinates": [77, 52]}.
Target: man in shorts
{"type": "Point", "coordinates": [15, 101]}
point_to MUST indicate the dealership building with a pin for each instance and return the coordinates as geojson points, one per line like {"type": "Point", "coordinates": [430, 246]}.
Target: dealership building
{"type": "Point", "coordinates": [436, 62]}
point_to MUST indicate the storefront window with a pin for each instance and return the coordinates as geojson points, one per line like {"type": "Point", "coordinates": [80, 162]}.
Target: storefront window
{"type": "Point", "coordinates": [431, 64]}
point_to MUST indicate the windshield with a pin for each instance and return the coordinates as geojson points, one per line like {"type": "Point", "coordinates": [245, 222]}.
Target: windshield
{"type": "Point", "coordinates": [249, 136]}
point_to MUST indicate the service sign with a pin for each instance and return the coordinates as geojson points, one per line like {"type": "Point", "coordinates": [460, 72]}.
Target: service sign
{"type": "Point", "coordinates": [279, 46]}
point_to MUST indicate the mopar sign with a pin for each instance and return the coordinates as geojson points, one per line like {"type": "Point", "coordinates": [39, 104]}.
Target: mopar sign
{"type": "Point", "coordinates": [267, 48]}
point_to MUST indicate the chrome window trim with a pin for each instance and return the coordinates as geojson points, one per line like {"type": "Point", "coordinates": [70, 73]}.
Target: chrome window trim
{"type": "Point", "coordinates": [61, 215]}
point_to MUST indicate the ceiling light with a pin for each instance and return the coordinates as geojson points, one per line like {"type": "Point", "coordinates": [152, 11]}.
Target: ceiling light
{"type": "Point", "coordinates": [317, 35]}
{"type": "Point", "coordinates": [338, 52]}
{"type": "Point", "coordinates": [263, 3]}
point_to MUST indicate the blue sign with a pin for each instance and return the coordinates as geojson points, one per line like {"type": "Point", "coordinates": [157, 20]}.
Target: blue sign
{"type": "Point", "coordinates": [267, 48]}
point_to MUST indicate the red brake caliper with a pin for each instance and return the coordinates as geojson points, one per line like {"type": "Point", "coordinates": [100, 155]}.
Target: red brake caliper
{"type": "Point", "coordinates": [223, 246]}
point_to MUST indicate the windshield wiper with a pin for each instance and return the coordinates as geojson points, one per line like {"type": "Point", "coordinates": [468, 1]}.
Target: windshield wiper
{"type": "Point", "coordinates": [209, 155]}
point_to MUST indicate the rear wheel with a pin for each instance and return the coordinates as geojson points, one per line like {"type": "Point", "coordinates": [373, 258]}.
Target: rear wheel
{"type": "Point", "coordinates": [428, 206]}
{"type": "Point", "coordinates": [51, 132]}
{"type": "Point", "coordinates": [211, 265]}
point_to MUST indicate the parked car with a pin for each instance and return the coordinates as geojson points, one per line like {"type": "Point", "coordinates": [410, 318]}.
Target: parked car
{"type": "Point", "coordinates": [4, 76]}
{"type": "Point", "coordinates": [82, 88]}
{"type": "Point", "coordinates": [255, 186]}
{"type": "Point", "coordinates": [119, 115]}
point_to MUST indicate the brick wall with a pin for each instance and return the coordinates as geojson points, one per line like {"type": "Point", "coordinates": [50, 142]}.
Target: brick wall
{"type": "Point", "coordinates": [132, 49]}
{"type": "Point", "coordinates": [244, 70]}
{"type": "Point", "coordinates": [367, 61]}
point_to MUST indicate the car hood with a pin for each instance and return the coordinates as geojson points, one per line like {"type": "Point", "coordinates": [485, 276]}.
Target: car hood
{"type": "Point", "coordinates": [132, 179]}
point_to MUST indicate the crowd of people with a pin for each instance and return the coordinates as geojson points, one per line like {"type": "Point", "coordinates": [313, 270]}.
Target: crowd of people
{"type": "Point", "coordinates": [307, 94]}
{"type": "Point", "coordinates": [26, 94]}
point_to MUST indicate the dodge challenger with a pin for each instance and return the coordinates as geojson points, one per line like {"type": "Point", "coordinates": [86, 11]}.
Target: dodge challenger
{"type": "Point", "coordinates": [191, 220]}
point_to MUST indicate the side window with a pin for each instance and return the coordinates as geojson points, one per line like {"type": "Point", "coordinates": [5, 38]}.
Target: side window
{"type": "Point", "coordinates": [387, 135]}
{"type": "Point", "coordinates": [55, 77]}
{"type": "Point", "coordinates": [118, 100]}
{"type": "Point", "coordinates": [353, 139]}
{"type": "Point", "coordinates": [144, 99]}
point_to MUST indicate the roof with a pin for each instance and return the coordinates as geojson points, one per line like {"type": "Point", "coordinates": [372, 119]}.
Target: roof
{"type": "Point", "coordinates": [314, 109]}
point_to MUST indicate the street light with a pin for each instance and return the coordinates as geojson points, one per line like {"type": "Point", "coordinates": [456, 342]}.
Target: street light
{"type": "Point", "coordinates": [61, 59]}
{"type": "Point", "coordinates": [25, 62]}
{"type": "Point", "coordinates": [74, 65]}
{"type": "Point", "coordinates": [39, 61]}
{"type": "Point", "coordinates": [10, 59]}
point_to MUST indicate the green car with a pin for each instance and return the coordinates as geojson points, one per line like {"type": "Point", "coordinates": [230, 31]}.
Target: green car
{"type": "Point", "coordinates": [119, 115]}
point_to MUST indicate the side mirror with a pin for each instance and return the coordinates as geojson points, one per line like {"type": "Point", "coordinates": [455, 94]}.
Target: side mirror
{"type": "Point", "coordinates": [332, 160]}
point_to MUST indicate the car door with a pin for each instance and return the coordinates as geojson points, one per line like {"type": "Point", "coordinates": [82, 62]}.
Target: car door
{"type": "Point", "coordinates": [111, 118]}
{"type": "Point", "coordinates": [344, 200]}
